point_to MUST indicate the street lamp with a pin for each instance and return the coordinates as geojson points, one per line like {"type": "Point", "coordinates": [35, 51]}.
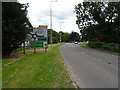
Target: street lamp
{"type": "Point", "coordinates": [60, 31]}
{"type": "Point", "coordinates": [51, 19]}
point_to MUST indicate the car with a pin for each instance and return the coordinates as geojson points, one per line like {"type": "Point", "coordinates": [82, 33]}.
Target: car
{"type": "Point", "coordinates": [76, 42]}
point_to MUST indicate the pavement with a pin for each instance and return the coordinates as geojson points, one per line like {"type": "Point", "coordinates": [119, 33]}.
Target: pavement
{"type": "Point", "coordinates": [90, 68]}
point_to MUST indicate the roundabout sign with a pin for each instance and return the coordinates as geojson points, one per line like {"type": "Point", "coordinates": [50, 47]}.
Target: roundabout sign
{"type": "Point", "coordinates": [38, 37]}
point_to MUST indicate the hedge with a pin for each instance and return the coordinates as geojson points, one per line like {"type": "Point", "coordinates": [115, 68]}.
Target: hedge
{"type": "Point", "coordinates": [108, 46]}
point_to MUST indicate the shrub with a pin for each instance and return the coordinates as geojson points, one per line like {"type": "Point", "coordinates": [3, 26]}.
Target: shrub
{"type": "Point", "coordinates": [95, 44]}
{"type": "Point", "coordinates": [117, 47]}
{"type": "Point", "coordinates": [111, 46]}
{"type": "Point", "coordinates": [108, 46]}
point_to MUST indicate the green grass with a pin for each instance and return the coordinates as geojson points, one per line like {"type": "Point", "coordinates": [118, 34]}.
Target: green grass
{"type": "Point", "coordinates": [83, 44]}
{"type": "Point", "coordinates": [40, 70]}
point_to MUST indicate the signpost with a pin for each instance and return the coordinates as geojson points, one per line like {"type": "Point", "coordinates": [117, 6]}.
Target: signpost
{"type": "Point", "coordinates": [38, 37]}
{"type": "Point", "coordinates": [37, 44]}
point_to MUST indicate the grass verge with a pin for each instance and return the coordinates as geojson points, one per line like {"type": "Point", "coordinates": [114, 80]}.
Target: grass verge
{"type": "Point", "coordinates": [83, 44]}
{"type": "Point", "coordinates": [40, 70]}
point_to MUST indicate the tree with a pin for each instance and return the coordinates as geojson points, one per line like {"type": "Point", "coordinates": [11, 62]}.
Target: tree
{"type": "Point", "coordinates": [65, 36]}
{"type": "Point", "coordinates": [74, 36]}
{"type": "Point", "coordinates": [105, 15]}
{"type": "Point", "coordinates": [14, 22]}
{"type": "Point", "coordinates": [55, 36]}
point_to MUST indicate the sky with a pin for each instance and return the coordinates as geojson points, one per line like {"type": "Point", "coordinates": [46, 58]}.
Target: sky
{"type": "Point", "coordinates": [62, 11]}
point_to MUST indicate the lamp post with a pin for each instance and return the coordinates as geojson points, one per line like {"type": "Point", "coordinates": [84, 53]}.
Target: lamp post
{"type": "Point", "coordinates": [51, 20]}
{"type": "Point", "coordinates": [60, 31]}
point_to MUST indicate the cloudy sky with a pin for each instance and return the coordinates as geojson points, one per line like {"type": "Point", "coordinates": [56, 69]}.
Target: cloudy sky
{"type": "Point", "coordinates": [62, 11]}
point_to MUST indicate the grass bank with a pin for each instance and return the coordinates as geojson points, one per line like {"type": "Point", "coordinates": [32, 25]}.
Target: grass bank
{"type": "Point", "coordinates": [40, 70]}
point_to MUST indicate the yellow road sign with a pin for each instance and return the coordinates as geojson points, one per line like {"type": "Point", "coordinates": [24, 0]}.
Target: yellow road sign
{"type": "Point", "coordinates": [43, 26]}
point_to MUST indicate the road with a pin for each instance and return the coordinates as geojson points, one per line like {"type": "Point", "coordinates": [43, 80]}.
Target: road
{"type": "Point", "coordinates": [90, 68]}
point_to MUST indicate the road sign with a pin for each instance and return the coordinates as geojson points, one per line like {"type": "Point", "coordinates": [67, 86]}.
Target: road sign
{"type": "Point", "coordinates": [37, 44]}
{"type": "Point", "coordinates": [43, 26]}
{"type": "Point", "coordinates": [38, 37]}
{"type": "Point", "coordinates": [42, 31]}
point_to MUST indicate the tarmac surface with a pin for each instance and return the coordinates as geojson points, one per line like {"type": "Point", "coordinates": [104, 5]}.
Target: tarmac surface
{"type": "Point", "coordinates": [90, 68]}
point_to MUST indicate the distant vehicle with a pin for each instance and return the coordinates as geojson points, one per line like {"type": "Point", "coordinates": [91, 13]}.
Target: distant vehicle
{"type": "Point", "coordinates": [76, 42]}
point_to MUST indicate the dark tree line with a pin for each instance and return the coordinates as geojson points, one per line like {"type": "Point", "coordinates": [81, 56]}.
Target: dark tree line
{"type": "Point", "coordinates": [14, 26]}
{"type": "Point", "coordinates": [56, 36]}
{"type": "Point", "coordinates": [65, 37]}
{"type": "Point", "coordinates": [74, 36]}
{"type": "Point", "coordinates": [99, 20]}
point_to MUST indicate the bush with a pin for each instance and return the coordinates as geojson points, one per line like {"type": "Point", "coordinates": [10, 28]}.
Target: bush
{"type": "Point", "coordinates": [95, 44]}
{"type": "Point", "coordinates": [111, 46]}
{"type": "Point", "coordinates": [108, 46]}
{"type": "Point", "coordinates": [117, 47]}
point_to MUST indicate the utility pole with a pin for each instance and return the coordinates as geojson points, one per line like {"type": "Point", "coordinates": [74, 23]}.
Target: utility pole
{"type": "Point", "coordinates": [51, 21]}
{"type": "Point", "coordinates": [60, 32]}
{"type": "Point", "coordinates": [24, 47]}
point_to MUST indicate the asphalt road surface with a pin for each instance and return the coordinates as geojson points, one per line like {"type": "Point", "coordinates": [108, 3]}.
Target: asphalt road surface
{"type": "Point", "coordinates": [90, 68]}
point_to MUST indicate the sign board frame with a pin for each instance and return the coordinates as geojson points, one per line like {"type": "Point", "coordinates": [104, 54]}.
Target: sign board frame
{"type": "Point", "coordinates": [37, 36]}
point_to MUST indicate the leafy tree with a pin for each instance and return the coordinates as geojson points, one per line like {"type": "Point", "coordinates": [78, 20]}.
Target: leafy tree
{"type": "Point", "coordinates": [14, 22]}
{"type": "Point", "coordinates": [99, 19]}
{"type": "Point", "coordinates": [65, 36]}
{"type": "Point", "coordinates": [74, 36]}
{"type": "Point", "coordinates": [55, 36]}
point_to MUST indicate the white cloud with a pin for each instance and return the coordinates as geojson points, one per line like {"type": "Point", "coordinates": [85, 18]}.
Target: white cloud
{"type": "Point", "coordinates": [39, 14]}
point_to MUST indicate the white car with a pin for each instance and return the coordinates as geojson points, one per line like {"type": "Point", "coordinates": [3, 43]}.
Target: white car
{"type": "Point", "coordinates": [76, 42]}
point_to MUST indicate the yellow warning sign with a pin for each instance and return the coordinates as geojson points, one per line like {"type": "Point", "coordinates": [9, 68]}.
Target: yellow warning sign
{"type": "Point", "coordinates": [43, 26]}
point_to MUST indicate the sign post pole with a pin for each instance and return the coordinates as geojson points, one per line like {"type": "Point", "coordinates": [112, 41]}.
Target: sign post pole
{"type": "Point", "coordinates": [24, 47]}
{"type": "Point", "coordinates": [45, 49]}
{"type": "Point", "coordinates": [34, 50]}
{"type": "Point", "coordinates": [34, 47]}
